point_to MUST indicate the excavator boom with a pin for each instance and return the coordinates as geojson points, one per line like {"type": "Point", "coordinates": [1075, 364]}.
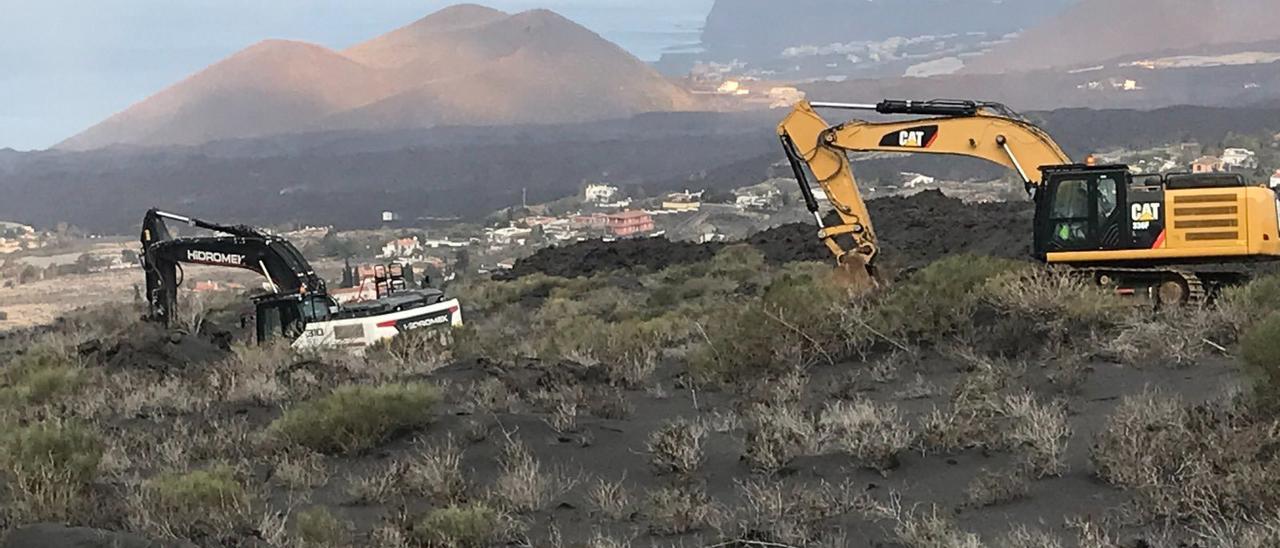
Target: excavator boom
{"type": "Point", "coordinates": [818, 154]}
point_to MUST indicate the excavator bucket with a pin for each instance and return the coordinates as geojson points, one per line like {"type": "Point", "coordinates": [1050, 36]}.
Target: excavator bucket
{"type": "Point", "coordinates": [855, 274]}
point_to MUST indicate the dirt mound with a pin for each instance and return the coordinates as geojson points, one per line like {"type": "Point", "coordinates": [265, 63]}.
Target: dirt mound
{"type": "Point", "coordinates": [595, 256]}
{"type": "Point", "coordinates": [152, 347]}
{"type": "Point", "coordinates": [920, 229]}
{"type": "Point", "coordinates": [914, 231]}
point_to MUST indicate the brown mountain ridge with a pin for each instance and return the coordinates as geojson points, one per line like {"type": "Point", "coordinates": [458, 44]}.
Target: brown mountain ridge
{"type": "Point", "coordinates": [1094, 31]}
{"type": "Point", "coordinates": [464, 65]}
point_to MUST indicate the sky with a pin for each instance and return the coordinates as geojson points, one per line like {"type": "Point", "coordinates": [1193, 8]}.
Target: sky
{"type": "Point", "coordinates": [68, 64]}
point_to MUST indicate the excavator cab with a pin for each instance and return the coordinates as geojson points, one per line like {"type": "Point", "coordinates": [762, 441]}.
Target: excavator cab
{"type": "Point", "coordinates": [287, 316]}
{"type": "Point", "coordinates": [1083, 208]}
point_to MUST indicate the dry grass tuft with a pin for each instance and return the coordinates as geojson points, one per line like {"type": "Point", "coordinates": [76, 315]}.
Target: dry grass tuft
{"type": "Point", "coordinates": [1024, 537]}
{"type": "Point", "coordinates": [776, 435]}
{"type": "Point", "coordinates": [681, 509]}
{"type": "Point", "coordinates": [791, 515]}
{"type": "Point", "coordinates": [435, 471]}
{"type": "Point", "coordinates": [610, 498]}
{"type": "Point", "coordinates": [522, 484]}
{"type": "Point", "coordinates": [995, 488]}
{"type": "Point", "coordinates": [676, 447]}
{"type": "Point", "coordinates": [874, 434]}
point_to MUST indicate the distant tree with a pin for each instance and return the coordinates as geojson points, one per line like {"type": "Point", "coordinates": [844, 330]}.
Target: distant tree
{"type": "Point", "coordinates": [462, 263]}
{"type": "Point", "coordinates": [29, 274]}
{"type": "Point", "coordinates": [331, 245]}
{"type": "Point", "coordinates": [129, 256]}
{"type": "Point", "coordinates": [718, 196]}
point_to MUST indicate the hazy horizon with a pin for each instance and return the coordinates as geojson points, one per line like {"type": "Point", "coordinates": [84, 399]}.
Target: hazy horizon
{"type": "Point", "coordinates": [121, 51]}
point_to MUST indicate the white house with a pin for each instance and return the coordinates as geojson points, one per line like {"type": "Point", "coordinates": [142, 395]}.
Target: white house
{"type": "Point", "coordinates": [598, 193]}
{"type": "Point", "coordinates": [912, 180]}
{"type": "Point", "coordinates": [402, 247]}
{"type": "Point", "coordinates": [1242, 158]}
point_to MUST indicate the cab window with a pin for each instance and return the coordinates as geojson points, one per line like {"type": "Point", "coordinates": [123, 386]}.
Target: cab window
{"type": "Point", "coordinates": [1107, 192]}
{"type": "Point", "coordinates": [1070, 211]}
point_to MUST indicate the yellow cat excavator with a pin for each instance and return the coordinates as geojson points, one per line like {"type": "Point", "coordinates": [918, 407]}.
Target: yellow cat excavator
{"type": "Point", "coordinates": [1177, 237]}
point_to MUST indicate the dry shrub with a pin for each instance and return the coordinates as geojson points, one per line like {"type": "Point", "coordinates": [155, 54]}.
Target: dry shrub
{"type": "Point", "coordinates": [564, 418]}
{"type": "Point", "coordinates": [435, 471]}
{"type": "Point", "coordinates": [874, 434]}
{"type": "Point", "coordinates": [357, 418]}
{"type": "Point", "coordinates": [1056, 301]}
{"type": "Point", "coordinates": [676, 447]}
{"type": "Point", "coordinates": [1174, 337]}
{"type": "Point", "coordinates": [211, 503]}
{"type": "Point", "coordinates": [299, 470]}
{"type": "Point", "coordinates": [475, 525]}
{"type": "Point", "coordinates": [608, 403]}
{"type": "Point", "coordinates": [932, 530]}
{"type": "Point", "coordinates": [777, 434]}
{"type": "Point", "coordinates": [488, 396]}
{"type": "Point", "coordinates": [678, 510]}
{"type": "Point", "coordinates": [1038, 433]}
{"type": "Point", "coordinates": [1189, 463]}
{"type": "Point", "coordinates": [995, 488]}
{"type": "Point", "coordinates": [49, 467]}
{"type": "Point", "coordinates": [414, 352]}
{"type": "Point", "coordinates": [981, 416]}
{"type": "Point", "coordinates": [1024, 537]}
{"type": "Point", "coordinates": [380, 486]}
{"type": "Point", "coordinates": [253, 373]}
{"type": "Point", "coordinates": [610, 498]}
{"type": "Point", "coordinates": [522, 484]}
{"type": "Point", "coordinates": [790, 515]}
{"type": "Point", "coordinates": [319, 528]}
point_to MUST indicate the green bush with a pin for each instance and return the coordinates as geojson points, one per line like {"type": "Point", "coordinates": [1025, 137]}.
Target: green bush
{"type": "Point", "coordinates": [49, 465]}
{"type": "Point", "coordinates": [1260, 349]}
{"type": "Point", "coordinates": [318, 527]}
{"type": "Point", "coordinates": [40, 376]}
{"type": "Point", "coordinates": [357, 418]}
{"type": "Point", "coordinates": [472, 526]}
{"type": "Point", "coordinates": [796, 320]}
{"type": "Point", "coordinates": [938, 301]}
{"type": "Point", "coordinates": [201, 502]}
{"type": "Point", "coordinates": [1245, 305]}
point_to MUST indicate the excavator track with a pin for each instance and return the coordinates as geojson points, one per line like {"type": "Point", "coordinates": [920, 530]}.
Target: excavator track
{"type": "Point", "coordinates": [1163, 286]}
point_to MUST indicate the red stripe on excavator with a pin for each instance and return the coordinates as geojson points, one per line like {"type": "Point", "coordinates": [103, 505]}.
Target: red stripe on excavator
{"type": "Point", "coordinates": [932, 139]}
{"type": "Point", "coordinates": [388, 323]}
{"type": "Point", "coordinates": [1159, 240]}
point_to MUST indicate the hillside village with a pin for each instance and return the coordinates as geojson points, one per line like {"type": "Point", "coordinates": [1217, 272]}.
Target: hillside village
{"type": "Point", "coordinates": [599, 211]}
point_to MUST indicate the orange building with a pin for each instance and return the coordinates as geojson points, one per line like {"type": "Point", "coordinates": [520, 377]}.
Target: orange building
{"type": "Point", "coordinates": [629, 223]}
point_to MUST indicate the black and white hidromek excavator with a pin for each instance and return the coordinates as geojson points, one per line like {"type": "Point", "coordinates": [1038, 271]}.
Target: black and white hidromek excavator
{"type": "Point", "coordinates": [297, 305]}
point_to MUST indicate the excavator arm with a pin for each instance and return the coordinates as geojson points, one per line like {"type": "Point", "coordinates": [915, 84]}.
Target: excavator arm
{"type": "Point", "coordinates": [238, 246]}
{"type": "Point", "coordinates": [818, 155]}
